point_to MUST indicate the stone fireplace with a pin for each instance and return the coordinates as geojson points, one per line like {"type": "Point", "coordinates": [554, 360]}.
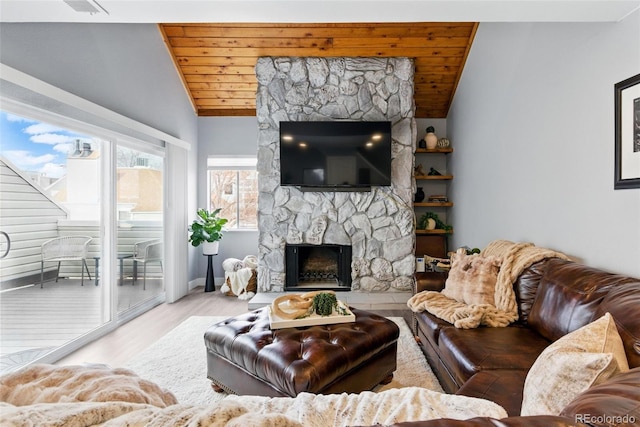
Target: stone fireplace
{"type": "Point", "coordinates": [378, 225]}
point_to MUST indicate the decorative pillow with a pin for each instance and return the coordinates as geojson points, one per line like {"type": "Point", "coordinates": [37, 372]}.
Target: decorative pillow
{"type": "Point", "coordinates": [583, 358]}
{"type": "Point", "coordinates": [472, 279]}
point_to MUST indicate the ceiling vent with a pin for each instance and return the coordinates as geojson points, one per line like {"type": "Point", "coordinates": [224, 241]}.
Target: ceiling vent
{"type": "Point", "coordinates": [86, 6]}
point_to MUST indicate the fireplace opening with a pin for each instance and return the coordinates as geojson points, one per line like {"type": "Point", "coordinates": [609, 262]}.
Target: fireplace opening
{"type": "Point", "coordinates": [318, 267]}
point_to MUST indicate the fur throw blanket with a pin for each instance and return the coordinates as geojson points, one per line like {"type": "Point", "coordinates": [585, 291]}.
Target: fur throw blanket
{"type": "Point", "coordinates": [455, 306]}
{"type": "Point", "coordinates": [308, 410]}
{"type": "Point", "coordinates": [98, 383]}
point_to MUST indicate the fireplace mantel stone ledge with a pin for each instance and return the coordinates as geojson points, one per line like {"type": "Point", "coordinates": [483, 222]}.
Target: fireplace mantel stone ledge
{"type": "Point", "coordinates": [379, 225]}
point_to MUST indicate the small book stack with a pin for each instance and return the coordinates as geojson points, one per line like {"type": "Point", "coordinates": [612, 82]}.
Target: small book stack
{"type": "Point", "coordinates": [438, 198]}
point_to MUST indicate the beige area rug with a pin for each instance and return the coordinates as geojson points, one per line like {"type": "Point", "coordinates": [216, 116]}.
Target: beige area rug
{"type": "Point", "coordinates": [178, 363]}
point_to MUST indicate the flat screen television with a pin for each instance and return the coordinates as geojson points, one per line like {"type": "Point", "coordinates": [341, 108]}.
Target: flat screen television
{"type": "Point", "coordinates": [335, 155]}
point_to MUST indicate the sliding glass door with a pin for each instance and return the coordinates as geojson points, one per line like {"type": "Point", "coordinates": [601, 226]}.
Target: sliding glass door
{"type": "Point", "coordinates": [52, 214]}
{"type": "Point", "coordinates": [140, 245]}
{"type": "Point", "coordinates": [82, 217]}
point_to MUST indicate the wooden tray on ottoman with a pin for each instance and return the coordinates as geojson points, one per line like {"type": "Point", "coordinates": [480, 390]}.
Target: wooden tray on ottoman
{"type": "Point", "coordinates": [277, 322]}
{"type": "Point", "coordinates": [246, 357]}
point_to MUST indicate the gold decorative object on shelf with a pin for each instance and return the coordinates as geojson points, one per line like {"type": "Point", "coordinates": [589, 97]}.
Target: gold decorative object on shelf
{"type": "Point", "coordinates": [443, 143]}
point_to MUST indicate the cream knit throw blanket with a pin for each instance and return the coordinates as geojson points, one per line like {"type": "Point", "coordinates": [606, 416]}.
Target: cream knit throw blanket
{"type": "Point", "coordinates": [516, 257]}
{"type": "Point", "coordinates": [237, 274]}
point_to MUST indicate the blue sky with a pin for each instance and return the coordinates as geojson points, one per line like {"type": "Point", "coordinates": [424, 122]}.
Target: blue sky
{"type": "Point", "coordinates": [35, 146]}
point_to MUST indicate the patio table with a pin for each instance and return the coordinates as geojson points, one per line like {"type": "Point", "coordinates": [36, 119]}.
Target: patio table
{"type": "Point", "coordinates": [121, 258]}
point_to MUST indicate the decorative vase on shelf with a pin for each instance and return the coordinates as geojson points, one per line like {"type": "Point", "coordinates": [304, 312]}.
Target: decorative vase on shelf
{"type": "Point", "coordinates": [431, 138]}
{"type": "Point", "coordinates": [431, 224]}
{"type": "Point", "coordinates": [419, 196]}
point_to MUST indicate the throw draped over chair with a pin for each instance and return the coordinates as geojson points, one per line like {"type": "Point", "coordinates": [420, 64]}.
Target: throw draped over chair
{"type": "Point", "coordinates": [145, 252]}
{"type": "Point", "coordinates": [66, 248]}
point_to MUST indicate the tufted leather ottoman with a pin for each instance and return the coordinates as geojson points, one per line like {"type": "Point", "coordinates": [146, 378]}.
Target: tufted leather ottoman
{"type": "Point", "coordinates": [244, 356]}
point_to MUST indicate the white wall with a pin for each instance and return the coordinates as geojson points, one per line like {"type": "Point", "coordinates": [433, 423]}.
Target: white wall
{"type": "Point", "coordinates": [125, 68]}
{"type": "Point", "coordinates": [533, 128]}
{"type": "Point", "coordinates": [225, 136]}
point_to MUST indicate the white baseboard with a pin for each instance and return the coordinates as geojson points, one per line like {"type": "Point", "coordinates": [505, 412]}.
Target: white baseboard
{"type": "Point", "coordinates": [196, 282]}
{"type": "Point", "coordinates": [201, 281]}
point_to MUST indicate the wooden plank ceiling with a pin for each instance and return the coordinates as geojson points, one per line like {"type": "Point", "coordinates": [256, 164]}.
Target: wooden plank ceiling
{"type": "Point", "coordinates": [216, 61]}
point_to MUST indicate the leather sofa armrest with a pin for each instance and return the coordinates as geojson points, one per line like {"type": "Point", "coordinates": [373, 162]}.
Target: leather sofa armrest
{"type": "Point", "coordinates": [430, 281]}
{"type": "Point", "coordinates": [614, 402]}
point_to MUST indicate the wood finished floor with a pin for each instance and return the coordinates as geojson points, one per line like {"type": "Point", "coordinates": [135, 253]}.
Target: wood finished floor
{"type": "Point", "coordinates": [118, 347]}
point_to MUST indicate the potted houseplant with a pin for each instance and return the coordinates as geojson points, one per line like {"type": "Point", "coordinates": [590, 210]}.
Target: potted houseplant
{"type": "Point", "coordinates": [206, 230]}
{"type": "Point", "coordinates": [431, 221]}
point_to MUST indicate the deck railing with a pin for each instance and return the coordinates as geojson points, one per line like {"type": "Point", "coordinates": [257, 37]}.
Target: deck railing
{"type": "Point", "coordinates": [23, 260]}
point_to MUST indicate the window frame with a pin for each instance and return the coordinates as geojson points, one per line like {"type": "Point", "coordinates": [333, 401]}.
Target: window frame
{"type": "Point", "coordinates": [232, 163]}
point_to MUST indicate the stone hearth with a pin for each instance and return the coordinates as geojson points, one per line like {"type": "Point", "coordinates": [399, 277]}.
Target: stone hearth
{"type": "Point", "coordinates": [379, 225]}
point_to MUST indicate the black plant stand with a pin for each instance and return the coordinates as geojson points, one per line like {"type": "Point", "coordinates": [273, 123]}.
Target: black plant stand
{"type": "Point", "coordinates": [210, 285]}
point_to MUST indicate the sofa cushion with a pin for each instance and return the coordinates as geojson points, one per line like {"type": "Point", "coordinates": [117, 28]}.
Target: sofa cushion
{"type": "Point", "coordinates": [502, 386]}
{"type": "Point", "coordinates": [568, 297]}
{"type": "Point", "coordinates": [431, 325]}
{"type": "Point", "coordinates": [623, 302]}
{"type": "Point", "coordinates": [472, 279]}
{"type": "Point", "coordinates": [614, 402]}
{"type": "Point", "coordinates": [468, 351]}
{"type": "Point", "coordinates": [569, 366]}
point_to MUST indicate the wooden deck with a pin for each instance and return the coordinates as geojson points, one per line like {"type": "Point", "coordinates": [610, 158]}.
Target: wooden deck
{"type": "Point", "coordinates": [34, 321]}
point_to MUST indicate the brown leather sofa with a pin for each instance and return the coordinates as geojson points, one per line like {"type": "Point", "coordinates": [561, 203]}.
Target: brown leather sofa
{"type": "Point", "coordinates": [554, 297]}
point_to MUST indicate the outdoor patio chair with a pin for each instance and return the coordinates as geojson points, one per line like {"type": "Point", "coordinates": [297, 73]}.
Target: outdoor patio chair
{"type": "Point", "coordinates": [146, 252]}
{"type": "Point", "coordinates": [65, 248]}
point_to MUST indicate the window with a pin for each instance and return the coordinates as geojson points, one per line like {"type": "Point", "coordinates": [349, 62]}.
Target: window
{"type": "Point", "coordinates": [64, 164]}
{"type": "Point", "coordinates": [139, 185]}
{"type": "Point", "coordinates": [56, 175]}
{"type": "Point", "coordinates": [233, 187]}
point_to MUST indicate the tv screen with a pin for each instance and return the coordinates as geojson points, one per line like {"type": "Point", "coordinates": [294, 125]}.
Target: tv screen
{"type": "Point", "coordinates": [335, 154]}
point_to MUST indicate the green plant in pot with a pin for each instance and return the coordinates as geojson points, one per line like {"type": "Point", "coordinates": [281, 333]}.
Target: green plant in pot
{"type": "Point", "coordinates": [431, 221]}
{"type": "Point", "coordinates": [206, 230]}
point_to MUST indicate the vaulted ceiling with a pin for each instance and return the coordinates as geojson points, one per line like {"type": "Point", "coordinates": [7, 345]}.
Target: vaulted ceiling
{"type": "Point", "coordinates": [216, 61]}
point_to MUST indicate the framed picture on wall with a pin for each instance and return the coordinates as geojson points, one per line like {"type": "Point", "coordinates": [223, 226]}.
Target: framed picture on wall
{"type": "Point", "coordinates": [627, 133]}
